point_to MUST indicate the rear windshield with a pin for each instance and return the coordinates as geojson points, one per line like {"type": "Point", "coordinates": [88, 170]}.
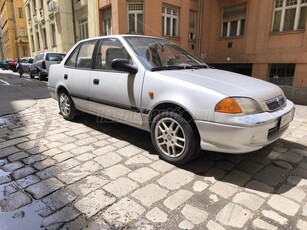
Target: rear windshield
{"type": "Point", "coordinates": [54, 57]}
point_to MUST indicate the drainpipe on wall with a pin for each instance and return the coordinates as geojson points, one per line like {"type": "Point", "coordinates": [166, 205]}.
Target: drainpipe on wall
{"type": "Point", "coordinates": [201, 14]}
{"type": "Point", "coordinates": [74, 20]}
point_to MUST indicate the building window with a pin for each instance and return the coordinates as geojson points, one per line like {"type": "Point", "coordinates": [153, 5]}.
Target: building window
{"type": "Point", "coordinates": [29, 11]}
{"type": "Point", "coordinates": [41, 5]}
{"type": "Point", "coordinates": [192, 25]}
{"type": "Point", "coordinates": [233, 21]}
{"type": "Point", "coordinates": [282, 74]}
{"type": "Point", "coordinates": [38, 43]}
{"type": "Point", "coordinates": [20, 13]}
{"type": "Point", "coordinates": [45, 38]}
{"type": "Point", "coordinates": [170, 17]}
{"type": "Point", "coordinates": [25, 51]}
{"type": "Point", "coordinates": [32, 43]}
{"type": "Point", "coordinates": [289, 15]}
{"type": "Point", "coordinates": [22, 31]}
{"type": "Point", "coordinates": [53, 35]}
{"type": "Point", "coordinates": [83, 26]}
{"type": "Point", "coordinates": [135, 18]}
{"type": "Point", "coordinates": [107, 21]}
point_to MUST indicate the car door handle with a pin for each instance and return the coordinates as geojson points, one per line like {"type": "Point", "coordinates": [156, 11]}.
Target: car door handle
{"type": "Point", "coordinates": [65, 76]}
{"type": "Point", "coordinates": [96, 81]}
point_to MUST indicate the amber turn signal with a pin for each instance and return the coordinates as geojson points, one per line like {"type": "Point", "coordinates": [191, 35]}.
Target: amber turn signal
{"type": "Point", "coordinates": [228, 105]}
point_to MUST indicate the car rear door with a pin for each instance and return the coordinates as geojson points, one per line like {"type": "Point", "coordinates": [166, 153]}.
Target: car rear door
{"type": "Point", "coordinates": [118, 94]}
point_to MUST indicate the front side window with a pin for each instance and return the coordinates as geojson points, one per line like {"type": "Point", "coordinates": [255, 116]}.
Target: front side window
{"type": "Point", "coordinates": [135, 18]}
{"type": "Point", "coordinates": [282, 74]}
{"type": "Point", "coordinates": [233, 21]}
{"type": "Point", "coordinates": [289, 15]}
{"type": "Point", "coordinates": [170, 18]}
{"type": "Point", "coordinates": [110, 49]}
{"type": "Point", "coordinates": [82, 55]}
{"type": "Point", "coordinates": [83, 26]}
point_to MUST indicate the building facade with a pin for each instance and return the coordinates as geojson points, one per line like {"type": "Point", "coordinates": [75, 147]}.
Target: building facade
{"type": "Point", "coordinates": [14, 31]}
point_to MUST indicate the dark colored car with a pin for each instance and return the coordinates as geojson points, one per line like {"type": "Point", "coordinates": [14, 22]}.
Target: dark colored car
{"type": "Point", "coordinates": [4, 64]}
{"type": "Point", "coordinates": [12, 65]}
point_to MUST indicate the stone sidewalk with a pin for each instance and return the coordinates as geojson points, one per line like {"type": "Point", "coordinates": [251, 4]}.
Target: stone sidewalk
{"type": "Point", "coordinates": [94, 174]}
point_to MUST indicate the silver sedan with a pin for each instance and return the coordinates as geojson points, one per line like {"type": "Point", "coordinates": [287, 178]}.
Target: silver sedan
{"type": "Point", "coordinates": [153, 84]}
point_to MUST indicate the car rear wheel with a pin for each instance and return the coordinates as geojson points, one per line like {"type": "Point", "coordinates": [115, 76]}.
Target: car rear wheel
{"type": "Point", "coordinates": [174, 138]}
{"type": "Point", "coordinates": [66, 106]}
{"type": "Point", "coordinates": [41, 77]}
{"type": "Point", "coordinates": [31, 74]}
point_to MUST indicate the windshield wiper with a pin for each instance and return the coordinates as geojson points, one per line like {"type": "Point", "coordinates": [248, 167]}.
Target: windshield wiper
{"type": "Point", "coordinates": [174, 67]}
{"type": "Point", "coordinates": [200, 67]}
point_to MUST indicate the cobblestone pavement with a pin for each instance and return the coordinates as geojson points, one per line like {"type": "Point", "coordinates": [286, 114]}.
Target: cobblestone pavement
{"type": "Point", "coordinates": [93, 174]}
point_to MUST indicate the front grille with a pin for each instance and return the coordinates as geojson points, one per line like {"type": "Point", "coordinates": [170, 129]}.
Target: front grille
{"type": "Point", "coordinates": [275, 103]}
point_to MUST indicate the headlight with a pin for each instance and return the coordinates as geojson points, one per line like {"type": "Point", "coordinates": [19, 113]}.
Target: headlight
{"type": "Point", "coordinates": [236, 105]}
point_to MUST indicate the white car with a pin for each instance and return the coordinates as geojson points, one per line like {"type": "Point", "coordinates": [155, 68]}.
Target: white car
{"type": "Point", "coordinates": [153, 84]}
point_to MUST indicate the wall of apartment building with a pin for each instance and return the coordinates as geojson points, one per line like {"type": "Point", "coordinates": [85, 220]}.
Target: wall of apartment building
{"type": "Point", "coordinates": [14, 44]}
{"type": "Point", "coordinates": [42, 22]}
{"type": "Point", "coordinates": [259, 46]}
{"type": "Point", "coordinates": [152, 19]}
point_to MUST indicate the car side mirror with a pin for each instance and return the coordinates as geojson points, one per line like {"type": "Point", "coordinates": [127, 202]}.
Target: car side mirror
{"type": "Point", "coordinates": [123, 65]}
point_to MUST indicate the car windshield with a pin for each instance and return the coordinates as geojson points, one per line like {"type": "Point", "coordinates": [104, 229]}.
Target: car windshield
{"type": "Point", "coordinates": [161, 54]}
{"type": "Point", "coordinates": [55, 57]}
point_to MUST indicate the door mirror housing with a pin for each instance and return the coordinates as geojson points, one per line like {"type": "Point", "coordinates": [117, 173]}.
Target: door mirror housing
{"type": "Point", "coordinates": [123, 65]}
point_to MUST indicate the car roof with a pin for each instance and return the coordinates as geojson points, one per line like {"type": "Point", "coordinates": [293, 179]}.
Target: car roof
{"type": "Point", "coordinates": [122, 36]}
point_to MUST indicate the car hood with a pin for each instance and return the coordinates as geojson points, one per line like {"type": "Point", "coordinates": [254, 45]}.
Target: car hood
{"type": "Point", "coordinates": [227, 83]}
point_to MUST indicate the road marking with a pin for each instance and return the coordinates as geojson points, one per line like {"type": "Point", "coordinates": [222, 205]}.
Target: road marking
{"type": "Point", "coordinates": [4, 82]}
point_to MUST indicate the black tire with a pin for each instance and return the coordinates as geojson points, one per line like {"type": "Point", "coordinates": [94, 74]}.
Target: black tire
{"type": "Point", "coordinates": [31, 74]}
{"type": "Point", "coordinates": [66, 105]}
{"type": "Point", "coordinates": [41, 77]}
{"type": "Point", "coordinates": [174, 138]}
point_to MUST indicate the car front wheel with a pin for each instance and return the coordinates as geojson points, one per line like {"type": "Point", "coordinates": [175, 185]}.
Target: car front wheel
{"type": "Point", "coordinates": [174, 138]}
{"type": "Point", "coordinates": [31, 74]}
{"type": "Point", "coordinates": [66, 106]}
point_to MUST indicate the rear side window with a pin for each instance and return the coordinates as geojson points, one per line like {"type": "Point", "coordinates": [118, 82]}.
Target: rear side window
{"type": "Point", "coordinates": [82, 56]}
{"type": "Point", "coordinates": [54, 57]}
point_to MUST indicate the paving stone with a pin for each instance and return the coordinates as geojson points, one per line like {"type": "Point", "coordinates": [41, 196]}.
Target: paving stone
{"type": "Point", "coordinates": [44, 164]}
{"type": "Point", "coordinates": [276, 170]}
{"type": "Point", "coordinates": [150, 194]}
{"type": "Point", "coordinates": [186, 225]}
{"type": "Point", "coordinates": [8, 189]}
{"type": "Point", "coordinates": [259, 188]}
{"type": "Point", "coordinates": [59, 199]}
{"type": "Point", "coordinates": [129, 151]}
{"type": "Point", "coordinates": [104, 150]}
{"type": "Point", "coordinates": [177, 199]}
{"type": "Point", "coordinates": [283, 164]}
{"type": "Point", "coordinates": [138, 159]}
{"type": "Point", "coordinates": [49, 172]}
{"type": "Point", "coordinates": [85, 157]}
{"type": "Point", "coordinates": [17, 156]}
{"type": "Point", "coordinates": [22, 172]}
{"type": "Point", "coordinates": [63, 156]}
{"type": "Point", "coordinates": [223, 189]}
{"type": "Point", "coordinates": [123, 212]}
{"type": "Point", "coordinates": [303, 165]}
{"type": "Point", "coordinates": [12, 142]}
{"type": "Point", "coordinates": [297, 181]}
{"type": "Point", "coordinates": [274, 155]}
{"type": "Point", "coordinates": [68, 147]}
{"type": "Point", "coordinates": [236, 177]}
{"type": "Point", "coordinates": [304, 210]}
{"type": "Point", "coordinates": [233, 215]}
{"type": "Point", "coordinates": [79, 223]}
{"type": "Point", "coordinates": [213, 198]}
{"type": "Point", "coordinates": [27, 181]}
{"type": "Point", "coordinates": [116, 171]}
{"type": "Point", "coordinates": [83, 149]}
{"type": "Point", "coordinates": [108, 159]}
{"type": "Point", "coordinates": [94, 202]}
{"type": "Point", "coordinates": [87, 185]}
{"type": "Point", "coordinates": [162, 166]}
{"type": "Point", "coordinates": [12, 166]}
{"type": "Point", "coordinates": [249, 166]}
{"type": "Point", "coordinates": [291, 192]}
{"type": "Point", "coordinates": [79, 172]}
{"type": "Point", "coordinates": [250, 201]}
{"type": "Point", "coordinates": [301, 152]}
{"type": "Point", "coordinates": [68, 164]}
{"type": "Point", "coordinates": [176, 179]}
{"type": "Point", "coordinates": [212, 225]}
{"type": "Point", "coordinates": [291, 157]}
{"type": "Point", "coordinates": [142, 175]}
{"type": "Point", "coordinates": [8, 151]}
{"type": "Point", "coordinates": [44, 187]}
{"type": "Point", "coordinates": [101, 143]}
{"type": "Point", "coordinates": [193, 214]}
{"type": "Point", "coordinates": [283, 205]}
{"type": "Point", "coordinates": [121, 187]}
{"type": "Point", "coordinates": [64, 215]}
{"type": "Point", "coordinates": [302, 225]}
{"type": "Point", "coordinates": [5, 179]}
{"type": "Point", "coordinates": [300, 172]}
{"type": "Point", "coordinates": [28, 145]}
{"type": "Point", "coordinates": [275, 217]}
{"type": "Point", "coordinates": [14, 201]}
{"type": "Point", "coordinates": [224, 165]}
{"type": "Point", "coordinates": [156, 215]}
{"type": "Point", "coordinates": [32, 159]}
{"type": "Point", "coordinates": [96, 225]}
{"type": "Point", "coordinates": [199, 186]}
{"type": "Point", "coordinates": [52, 152]}
{"type": "Point", "coordinates": [86, 141]}
{"type": "Point", "coordinates": [269, 178]}
{"type": "Point", "coordinates": [261, 224]}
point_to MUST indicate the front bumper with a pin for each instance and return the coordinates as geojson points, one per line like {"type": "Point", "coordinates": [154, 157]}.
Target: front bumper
{"type": "Point", "coordinates": [247, 134]}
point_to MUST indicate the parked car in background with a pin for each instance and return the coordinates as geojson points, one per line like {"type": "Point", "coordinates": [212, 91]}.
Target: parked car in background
{"type": "Point", "coordinates": [153, 84]}
{"type": "Point", "coordinates": [42, 62]}
{"type": "Point", "coordinates": [12, 65]}
{"type": "Point", "coordinates": [5, 65]}
{"type": "Point", "coordinates": [24, 65]}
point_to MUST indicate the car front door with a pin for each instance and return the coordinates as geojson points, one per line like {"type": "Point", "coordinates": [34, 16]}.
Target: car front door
{"type": "Point", "coordinates": [77, 73]}
{"type": "Point", "coordinates": [117, 93]}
